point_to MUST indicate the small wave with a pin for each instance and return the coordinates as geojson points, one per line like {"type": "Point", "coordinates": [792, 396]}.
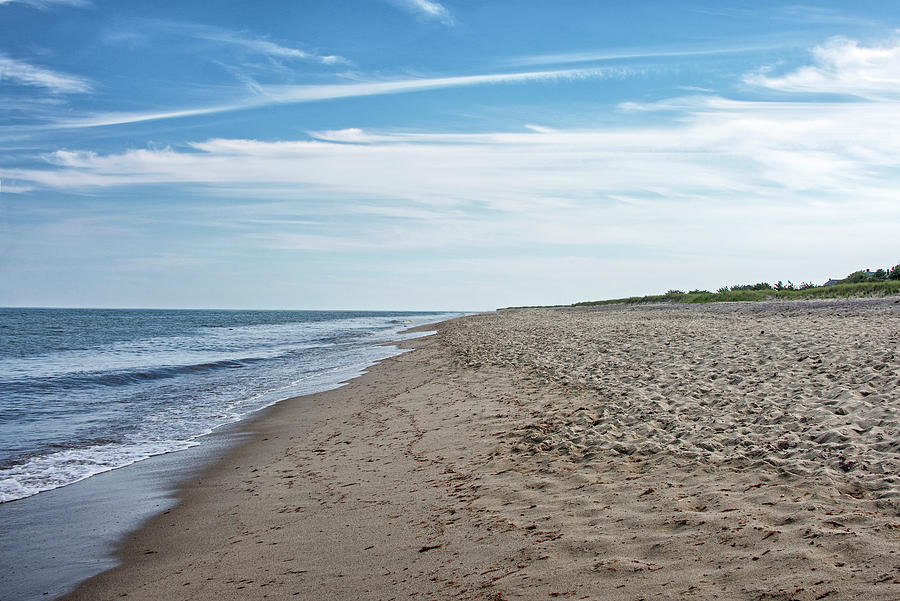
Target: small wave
{"type": "Point", "coordinates": [134, 376]}
{"type": "Point", "coordinates": [57, 469]}
{"type": "Point", "coordinates": [81, 444]}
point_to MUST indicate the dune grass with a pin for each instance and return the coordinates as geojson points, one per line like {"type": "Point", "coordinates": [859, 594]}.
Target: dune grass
{"type": "Point", "coordinates": [875, 288]}
{"type": "Point", "coordinates": [855, 290]}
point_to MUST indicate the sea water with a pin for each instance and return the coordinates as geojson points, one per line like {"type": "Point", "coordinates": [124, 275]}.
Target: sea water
{"type": "Point", "coordinates": [84, 391]}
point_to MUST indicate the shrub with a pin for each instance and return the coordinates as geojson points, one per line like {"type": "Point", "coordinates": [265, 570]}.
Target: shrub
{"type": "Point", "coordinates": [759, 286]}
{"type": "Point", "coordinates": [857, 276]}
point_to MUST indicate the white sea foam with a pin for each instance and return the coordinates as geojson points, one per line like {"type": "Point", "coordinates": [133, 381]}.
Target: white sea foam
{"type": "Point", "coordinates": [57, 469]}
{"type": "Point", "coordinates": [77, 407]}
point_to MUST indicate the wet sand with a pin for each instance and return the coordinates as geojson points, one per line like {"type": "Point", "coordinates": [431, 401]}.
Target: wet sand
{"type": "Point", "coordinates": [729, 451]}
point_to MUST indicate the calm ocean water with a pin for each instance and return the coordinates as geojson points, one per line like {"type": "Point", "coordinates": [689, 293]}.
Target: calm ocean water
{"type": "Point", "coordinates": [83, 391]}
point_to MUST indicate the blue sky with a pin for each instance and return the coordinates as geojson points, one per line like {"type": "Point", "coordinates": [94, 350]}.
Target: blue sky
{"type": "Point", "coordinates": [411, 154]}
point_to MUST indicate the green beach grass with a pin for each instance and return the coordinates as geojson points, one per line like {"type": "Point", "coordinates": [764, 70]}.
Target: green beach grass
{"type": "Point", "coordinates": [861, 289]}
{"type": "Point", "coordinates": [873, 288]}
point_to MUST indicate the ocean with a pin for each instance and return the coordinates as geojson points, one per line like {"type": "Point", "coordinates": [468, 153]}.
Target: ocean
{"type": "Point", "coordinates": [85, 391]}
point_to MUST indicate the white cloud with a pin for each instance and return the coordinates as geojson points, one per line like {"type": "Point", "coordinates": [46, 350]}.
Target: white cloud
{"type": "Point", "coordinates": [540, 129]}
{"type": "Point", "coordinates": [23, 73]}
{"type": "Point", "coordinates": [263, 46]}
{"type": "Point", "coordinates": [141, 31]}
{"type": "Point", "coordinates": [749, 158]}
{"type": "Point", "coordinates": [351, 134]}
{"type": "Point", "coordinates": [760, 182]}
{"type": "Point", "coordinates": [289, 94]}
{"type": "Point", "coordinates": [763, 186]}
{"type": "Point", "coordinates": [806, 13]}
{"type": "Point", "coordinates": [842, 66]}
{"type": "Point", "coordinates": [45, 4]}
{"type": "Point", "coordinates": [428, 9]}
{"type": "Point", "coordinates": [372, 88]}
{"type": "Point", "coordinates": [591, 56]}
{"type": "Point", "coordinates": [14, 189]}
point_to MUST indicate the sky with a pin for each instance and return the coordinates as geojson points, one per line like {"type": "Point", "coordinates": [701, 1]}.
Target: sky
{"type": "Point", "coordinates": [453, 155]}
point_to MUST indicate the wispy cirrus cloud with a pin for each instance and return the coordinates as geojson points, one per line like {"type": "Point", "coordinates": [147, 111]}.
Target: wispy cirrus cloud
{"type": "Point", "coordinates": [758, 183]}
{"type": "Point", "coordinates": [268, 95]}
{"type": "Point", "coordinates": [145, 32]}
{"type": "Point", "coordinates": [807, 13]}
{"type": "Point", "coordinates": [259, 45]}
{"type": "Point", "coordinates": [782, 156]}
{"type": "Point", "coordinates": [842, 66]}
{"type": "Point", "coordinates": [590, 56]}
{"type": "Point", "coordinates": [24, 73]}
{"type": "Point", "coordinates": [46, 4]}
{"type": "Point", "coordinates": [751, 178]}
{"type": "Point", "coordinates": [428, 9]}
{"type": "Point", "coordinates": [269, 48]}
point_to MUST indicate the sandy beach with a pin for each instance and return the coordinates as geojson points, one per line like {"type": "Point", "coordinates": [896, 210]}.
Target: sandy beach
{"type": "Point", "coordinates": [723, 451]}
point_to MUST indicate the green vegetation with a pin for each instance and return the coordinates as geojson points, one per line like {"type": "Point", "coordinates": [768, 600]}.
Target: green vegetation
{"type": "Point", "coordinates": [751, 293]}
{"type": "Point", "coordinates": [863, 283]}
{"type": "Point", "coordinates": [859, 283]}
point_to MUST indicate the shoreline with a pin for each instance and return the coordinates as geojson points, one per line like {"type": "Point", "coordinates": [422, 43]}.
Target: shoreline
{"type": "Point", "coordinates": [69, 534]}
{"type": "Point", "coordinates": [94, 516]}
{"type": "Point", "coordinates": [739, 452]}
{"type": "Point", "coordinates": [192, 499]}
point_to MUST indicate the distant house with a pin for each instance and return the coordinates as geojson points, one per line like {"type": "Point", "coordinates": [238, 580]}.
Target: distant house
{"type": "Point", "coordinates": [831, 282]}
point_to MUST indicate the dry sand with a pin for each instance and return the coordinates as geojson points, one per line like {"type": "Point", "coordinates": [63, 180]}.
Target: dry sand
{"type": "Point", "coordinates": [729, 451]}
